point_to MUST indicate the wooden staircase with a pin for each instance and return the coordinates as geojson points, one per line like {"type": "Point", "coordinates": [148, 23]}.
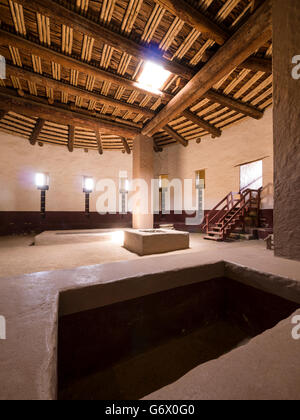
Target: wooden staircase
{"type": "Point", "coordinates": [231, 213]}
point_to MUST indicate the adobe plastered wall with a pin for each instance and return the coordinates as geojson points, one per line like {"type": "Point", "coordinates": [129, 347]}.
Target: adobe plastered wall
{"type": "Point", "coordinates": [19, 162]}
{"type": "Point", "coordinates": [241, 143]}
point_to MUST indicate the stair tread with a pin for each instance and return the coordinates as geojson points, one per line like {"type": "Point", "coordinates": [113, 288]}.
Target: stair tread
{"type": "Point", "coordinates": [212, 238]}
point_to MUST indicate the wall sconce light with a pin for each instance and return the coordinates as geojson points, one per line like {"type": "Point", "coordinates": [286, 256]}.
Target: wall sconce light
{"type": "Point", "coordinates": [42, 184]}
{"type": "Point", "coordinates": [88, 188]}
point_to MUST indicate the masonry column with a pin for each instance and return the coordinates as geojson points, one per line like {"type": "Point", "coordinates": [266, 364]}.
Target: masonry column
{"type": "Point", "coordinates": [286, 51]}
{"type": "Point", "coordinates": [143, 169]}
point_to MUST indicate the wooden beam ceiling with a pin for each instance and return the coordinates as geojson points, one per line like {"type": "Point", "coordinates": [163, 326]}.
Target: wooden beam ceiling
{"type": "Point", "coordinates": [42, 80]}
{"type": "Point", "coordinates": [234, 104]}
{"type": "Point", "coordinates": [48, 54]}
{"type": "Point", "coordinates": [63, 16]}
{"type": "Point", "coordinates": [36, 131]}
{"type": "Point", "coordinates": [214, 131]}
{"type": "Point", "coordinates": [254, 33]}
{"type": "Point", "coordinates": [59, 115]}
{"type": "Point", "coordinates": [196, 19]}
{"type": "Point", "coordinates": [177, 137]}
{"type": "Point", "coordinates": [6, 38]}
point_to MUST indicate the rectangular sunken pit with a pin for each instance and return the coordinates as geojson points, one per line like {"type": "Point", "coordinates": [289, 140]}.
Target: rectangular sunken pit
{"type": "Point", "coordinates": [129, 349]}
{"type": "Point", "coordinates": [155, 241]}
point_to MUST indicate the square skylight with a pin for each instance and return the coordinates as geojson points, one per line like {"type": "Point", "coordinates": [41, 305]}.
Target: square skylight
{"type": "Point", "coordinates": [153, 77]}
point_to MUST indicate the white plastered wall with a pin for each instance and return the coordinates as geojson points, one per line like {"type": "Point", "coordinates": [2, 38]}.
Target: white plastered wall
{"type": "Point", "coordinates": [244, 142]}
{"type": "Point", "coordinates": [19, 162]}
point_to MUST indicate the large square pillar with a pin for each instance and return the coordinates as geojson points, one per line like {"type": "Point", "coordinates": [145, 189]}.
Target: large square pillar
{"type": "Point", "coordinates": [142, 171]}
{"type": "Point", "coordinates": [286, 48]}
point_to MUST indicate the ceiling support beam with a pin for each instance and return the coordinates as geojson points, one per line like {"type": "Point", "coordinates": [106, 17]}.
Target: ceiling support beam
{"type": "Point", "coordinates": [99, 142]}
{"type": "Point", "coordinates": [214, 131]}
{"type": "Point", "coordinates": [75, 91]}
{"type": "Point", "coordinates": [48, 54]}
{"type": "Point", "coordinates": [237, 106]}
{"type": "Point", "coordinates": [258, 64]}
{"type": "Point", "coordinates": [156, 147]}
{"type": "Point", "coordinates": [59, 115]}
{"type": "Point", "coordinates": [175, 135]}
{"type": "Point", "coordinates": [36, 131]}
{"type": "Point", "coordinates": [195, 19]}
{"type": "Point", "coordinates": [254, 33]}
{"type": "Point", "coordinates": [62, 15]}
{"type": "Point", "coordinates": [71, 138]}
{"type": "Point", "coordinates": [126, 145]}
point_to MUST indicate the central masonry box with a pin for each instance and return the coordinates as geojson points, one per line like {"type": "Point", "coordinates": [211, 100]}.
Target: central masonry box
{"type": "Point", "coordinates": [155, 241]}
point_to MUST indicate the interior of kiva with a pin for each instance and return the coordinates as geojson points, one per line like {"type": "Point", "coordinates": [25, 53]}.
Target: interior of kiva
{"type": "Point", "coordinates": [149, 202]}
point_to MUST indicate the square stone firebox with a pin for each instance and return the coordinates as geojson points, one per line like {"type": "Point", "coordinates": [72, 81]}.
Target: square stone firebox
{"type": "Point", "coordinates": [155, 241]}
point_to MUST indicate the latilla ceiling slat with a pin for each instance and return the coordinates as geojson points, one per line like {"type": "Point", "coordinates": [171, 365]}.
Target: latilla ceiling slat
{"type": "Point", "coordinates": [152, 23]}
{"type": "Point", "coordinates": [15, 56]}
{"type": "Point", "coordinates": [124, 63]}
{"type": "Point", "coordinates": [37, 64]}
{"type": "Point", "coordinates": [226, 10]}
{"type": "Point", "coordinates": [82, 5]}
{"type": "Point", "coordinates": [248, 85]}
{"type": "Point", "coordinates": [90, 83]}
{"type": "Point", "coordinates": [107, 10]}
{"type": "Point", "coordinates": [258, 89]}
{"type": "Point", "coordinates": [105, 88]}
{"type": "Point", "coordinates": [67, 37]}
{"type": "Point", "coordinates": [43, 23]}
{"type": "Point", "coordinates": [87, 48]}
{"type": "Point", "coordinates": [74, 75]}
{"type": "Point", "coordinates": [171, 34]}
{"type": "Point", "coordinates": [106, 55]}
{"type": "Point", "coordinates": [187, 44]}
{"type": "Point", "coordinates": [17, 15]}
{"type": "Point", "coordinates": [131, 14]}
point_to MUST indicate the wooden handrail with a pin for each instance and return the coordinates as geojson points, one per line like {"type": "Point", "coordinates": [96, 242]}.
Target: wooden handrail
{"type": "Point", "coordinates": [229, 204]}
{"type": "Point", "coordinates": [240, 209]}
{"type": "Point", "coordinates": [236, 205]}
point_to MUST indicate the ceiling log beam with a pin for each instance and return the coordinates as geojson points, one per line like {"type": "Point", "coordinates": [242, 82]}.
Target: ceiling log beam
{"type": "Point", "coordinates": [214, 131]}
{"type": "Point", "coordinates": [177, 137]}
{"type": "Point", "coordinates": [71, 138]}
{"type": "Point", "coordinates": [258, 64]}
{"type": "Point", "coordinates": [37, 108]}
{"type": "Point", "coordinates": [64, 16]}
{"type": "Point", "coordinates": [254, 33]}
{"type": "Point", "coordinates": [196, 19]}
{"type": "Point", "coordinates": [36, 131]}
{"type": "Point", "coordinates": [99, 142]}
{"type": "Point", "coordinates": [126, 146]}
{"type": "Point", "coordinates": [75, 91]}
{"type": "Point", "coordinates": [233, 104]}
